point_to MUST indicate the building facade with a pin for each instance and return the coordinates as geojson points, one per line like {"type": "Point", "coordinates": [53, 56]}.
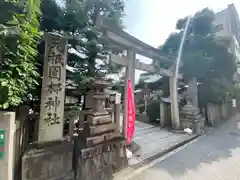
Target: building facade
{"type": "Point", "coordinates": [227, 24]}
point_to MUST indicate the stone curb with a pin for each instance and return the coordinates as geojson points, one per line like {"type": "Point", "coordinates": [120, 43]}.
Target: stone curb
{"type": "Point", "coordinates": [176, 146]}
{"type": "Point", "coordinates": [135, 167]}
{"type": "Point", "coordinates": [162, 153]}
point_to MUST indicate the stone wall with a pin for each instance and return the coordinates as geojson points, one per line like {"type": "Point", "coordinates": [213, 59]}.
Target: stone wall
{"type": "Point", "coordinates": [216, 112]}
{"type": "Point", "coordinates": [100, 162]}
{"type": "Point", "coordinates": [65, 160]}
{"type": "Point", "coordinates": [48, 161]}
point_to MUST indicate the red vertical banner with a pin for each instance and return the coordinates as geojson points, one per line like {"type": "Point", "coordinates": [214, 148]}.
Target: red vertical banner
{"type": "Point", "coordinates": [131, 115]}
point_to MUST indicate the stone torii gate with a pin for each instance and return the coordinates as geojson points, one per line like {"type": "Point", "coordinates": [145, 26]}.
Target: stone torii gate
{"type": "Point", "coordinates": [132, 45]}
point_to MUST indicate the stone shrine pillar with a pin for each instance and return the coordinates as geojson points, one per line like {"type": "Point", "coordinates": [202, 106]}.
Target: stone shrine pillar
{"type": "Point", "coordinates": [51, 157]}
{"type": "Point", "coordinates": [162, 114]}
{"type": "Point", "coordinates": [53, 89]}
{"type": "Point", "coordinates": [100, 148]}
{"type": "Point", "coordinates": [129, 75]}
{"type": "Point", "coordinates": [193, 91]}
{"type": "Point", "coordinates": [190, 116]}
{"type": "Point", "coordinates": [174, 104]}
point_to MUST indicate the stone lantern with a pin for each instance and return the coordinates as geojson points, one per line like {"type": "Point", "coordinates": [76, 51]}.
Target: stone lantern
{"type": "Point", "coordinates": [190, 117]}
{"type": "Point", "coordinates": [104, 150]}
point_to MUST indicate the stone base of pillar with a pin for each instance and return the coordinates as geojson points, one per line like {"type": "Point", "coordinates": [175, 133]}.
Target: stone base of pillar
{"type": "Point", "coordinates": [190, 117]}
{"type": "Point", "coordinates": [197, 127]}
{"type": "Point", "coordinates": [186, 124]}
{"type": "Point", "coordinates": [101, 161]}
{"type": "Point", "coordinates": [48, 161]}
{"type": "Point", "coordinates": [175, 126]}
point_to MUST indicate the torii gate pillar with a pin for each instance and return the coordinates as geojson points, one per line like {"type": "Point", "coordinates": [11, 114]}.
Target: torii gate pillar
{"type": "Point", "coordinates": [129, 75]}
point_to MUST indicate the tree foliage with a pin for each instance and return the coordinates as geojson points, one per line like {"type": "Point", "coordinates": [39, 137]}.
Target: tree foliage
{"type": "Point", "coordinates": [205, 56]}
{"type": "Point", "coordinates": [78, 18]}
{"type": "Point", "coordinates": [19, 35]}
{"type": "Point", "coordinates": [20, 24]}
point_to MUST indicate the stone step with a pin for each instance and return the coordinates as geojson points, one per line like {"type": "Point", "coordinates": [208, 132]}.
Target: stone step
{"type": "Point", "coordinates": [100, 129]}
{"type": "Point", "coordinates": [98, 120]}
{"type": "Point", "coordinates": [91, 141]}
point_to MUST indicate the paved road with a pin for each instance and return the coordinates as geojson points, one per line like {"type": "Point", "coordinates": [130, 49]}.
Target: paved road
{"type": "Point", "coordinates": [212, 157]}
{"type": "Point", "coordinates": [153, 140]}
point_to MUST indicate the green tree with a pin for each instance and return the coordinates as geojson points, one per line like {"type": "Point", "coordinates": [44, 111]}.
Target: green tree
{"type": "Point", "coordinates": [205, 57]}
{"type": "Point", "coordinates": [87, 53]}
{"type": "Point", "coordinates": [19, 35]}
{"type": "Point", "coordinates": [77, 18]}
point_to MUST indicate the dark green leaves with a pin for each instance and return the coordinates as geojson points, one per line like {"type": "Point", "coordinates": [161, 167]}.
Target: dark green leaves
{"type": "Point", "coordinates": [19, 35]}
{"type": "Point", "coordinates": [205, 56]}
{"type": "Point", "coordinates": [77, 18]}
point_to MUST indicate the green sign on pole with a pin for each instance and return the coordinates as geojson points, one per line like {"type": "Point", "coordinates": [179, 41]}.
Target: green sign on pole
{"type": "Point", "coordinates": [2, 143]}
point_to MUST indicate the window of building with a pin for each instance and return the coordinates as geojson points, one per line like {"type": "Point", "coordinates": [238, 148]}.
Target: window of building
{"type": "Point", "coordinates": [219, 27]}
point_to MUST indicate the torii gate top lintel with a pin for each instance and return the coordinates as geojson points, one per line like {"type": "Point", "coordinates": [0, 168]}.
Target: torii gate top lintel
{"type": "Point", "coordinates": [124, 40]}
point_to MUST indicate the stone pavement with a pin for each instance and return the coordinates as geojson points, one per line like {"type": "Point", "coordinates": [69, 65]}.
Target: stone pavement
{"type": "Point", "coordinates": [153, 140]}
{"type": "Point", "coordinates": [215, 156]}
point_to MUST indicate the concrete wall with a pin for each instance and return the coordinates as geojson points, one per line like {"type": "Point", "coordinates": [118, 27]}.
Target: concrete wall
{"type": "Point", "coordinates": [222, 23]}
{"type": "Point", "coordinates": [227, 24]}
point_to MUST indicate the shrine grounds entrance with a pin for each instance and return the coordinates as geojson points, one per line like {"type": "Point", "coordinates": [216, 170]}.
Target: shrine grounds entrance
{"type": "Point", "coordinates": [100, 145]}
{"type": "Point", "coordinates": [134, 46]}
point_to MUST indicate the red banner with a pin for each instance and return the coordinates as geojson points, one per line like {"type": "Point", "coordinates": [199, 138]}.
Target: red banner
{"type": "Point", "coordinates": [131, 115]}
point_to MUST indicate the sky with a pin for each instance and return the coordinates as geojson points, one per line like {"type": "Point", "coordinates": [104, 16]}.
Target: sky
{"type": "Point", "coordinates": [153, 20]}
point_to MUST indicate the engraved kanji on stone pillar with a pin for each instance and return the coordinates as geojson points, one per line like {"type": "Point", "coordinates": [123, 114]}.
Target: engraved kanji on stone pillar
{"type": "Point", "coordinates": [53, 88]}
